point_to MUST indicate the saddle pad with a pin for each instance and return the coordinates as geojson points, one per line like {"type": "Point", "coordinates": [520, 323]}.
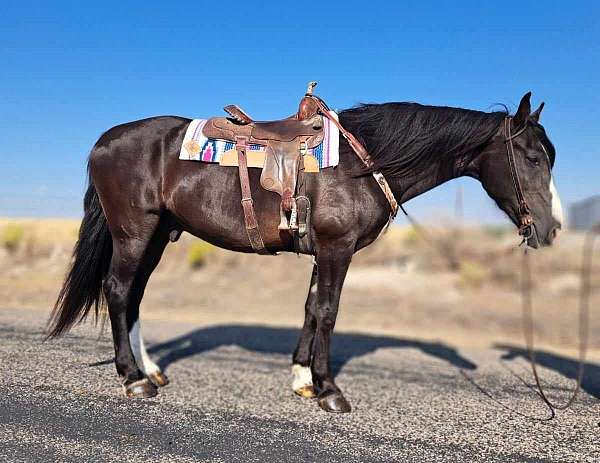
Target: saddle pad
{"type": "Point", "coordinates": [196, 147]}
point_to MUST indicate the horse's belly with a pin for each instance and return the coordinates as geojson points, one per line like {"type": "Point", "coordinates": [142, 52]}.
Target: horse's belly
{"type": "Point", "coordinates": [206, 201]}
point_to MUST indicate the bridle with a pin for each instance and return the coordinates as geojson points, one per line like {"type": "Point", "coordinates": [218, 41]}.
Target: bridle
{"type": "Point", "coordinates": [524, 214]}
{"type": "Point", "coordinates": [526, 230]}
{"type": "Point", "coordinates": [526, 224]}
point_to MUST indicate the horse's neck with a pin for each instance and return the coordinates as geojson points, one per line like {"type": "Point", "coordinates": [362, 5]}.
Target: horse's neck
{"type": "Point", "coordinates": [430, 176]}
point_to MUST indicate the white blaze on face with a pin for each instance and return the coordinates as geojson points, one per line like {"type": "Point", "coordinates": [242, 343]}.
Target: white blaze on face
{"type": "Point", "coordinates": [139, 350]}
{"type": "Point", "coordinates": [557, 210]}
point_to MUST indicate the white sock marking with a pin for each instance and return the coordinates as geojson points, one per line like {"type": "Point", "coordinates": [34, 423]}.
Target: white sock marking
{"type": "Point", "coordinates": [139, 350]}
{"type": "Point", "coordinates": [557, 210]}
{"type": "Point", "coordinates": [302, 377]}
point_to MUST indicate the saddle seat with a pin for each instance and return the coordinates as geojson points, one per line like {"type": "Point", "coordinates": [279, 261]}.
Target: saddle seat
{"type": "Point", "coordinates": [286, 143]}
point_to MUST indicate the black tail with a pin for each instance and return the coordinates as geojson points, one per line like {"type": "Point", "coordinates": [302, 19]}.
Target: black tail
{"type": "Point", "coordinates": [82, 288]}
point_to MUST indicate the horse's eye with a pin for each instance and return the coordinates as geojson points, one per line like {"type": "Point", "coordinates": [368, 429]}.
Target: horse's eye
{"type": "Point", "coordinates": [534, 160]}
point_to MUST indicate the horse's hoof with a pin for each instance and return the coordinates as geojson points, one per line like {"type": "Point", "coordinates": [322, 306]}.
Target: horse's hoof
{"type": "Point", "coordinates": [141, 389]}
{"type": "Point", "coordinates": [159, 379]}
{"type": "Point", "coordinates": [306, 392]}
{"type": "Point", "coordinates": [335, 403]}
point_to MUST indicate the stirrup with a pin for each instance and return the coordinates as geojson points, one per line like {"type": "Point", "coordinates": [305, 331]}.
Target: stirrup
{"type": "Point", "coordinates": [292, 223]}
{"type": "Point", "coordinates": [294, 216]}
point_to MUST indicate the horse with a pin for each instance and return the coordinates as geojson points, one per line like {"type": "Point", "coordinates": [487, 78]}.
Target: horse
{"type": "Point", "coordinates": [140, 197]}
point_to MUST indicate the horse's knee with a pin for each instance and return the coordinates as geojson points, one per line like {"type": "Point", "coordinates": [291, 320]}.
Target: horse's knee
{"type": "Point", "coordinates": [325, 320]}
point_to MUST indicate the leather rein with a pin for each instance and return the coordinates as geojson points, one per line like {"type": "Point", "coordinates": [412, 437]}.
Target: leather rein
{"type": "Point", "coordinates": [526, 224]}
{"type": "Point", "coordinates": [524, 214]}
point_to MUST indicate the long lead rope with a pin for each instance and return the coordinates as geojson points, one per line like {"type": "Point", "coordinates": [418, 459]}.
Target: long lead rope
{"type": "Point", "coordinates": [584, 315]}
{"type": "Point", "coordinates": [527, 314]}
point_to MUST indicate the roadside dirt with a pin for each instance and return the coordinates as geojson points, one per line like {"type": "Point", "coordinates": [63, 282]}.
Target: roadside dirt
{"type": "Point", "coordinates": [399, 286]}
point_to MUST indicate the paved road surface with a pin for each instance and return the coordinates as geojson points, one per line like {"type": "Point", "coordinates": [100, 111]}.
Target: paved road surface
{"type": "Point", "coordinates": [230, 401]}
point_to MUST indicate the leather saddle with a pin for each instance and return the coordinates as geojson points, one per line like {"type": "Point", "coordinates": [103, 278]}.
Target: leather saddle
{"type": "Point", "coordinates": [286, 143]}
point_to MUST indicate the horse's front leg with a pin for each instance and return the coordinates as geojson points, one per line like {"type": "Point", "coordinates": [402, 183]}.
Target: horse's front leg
{"type": "Point", "coordinates": [302, 377]}
{"type": "Point", "coordinates": [333, 259]}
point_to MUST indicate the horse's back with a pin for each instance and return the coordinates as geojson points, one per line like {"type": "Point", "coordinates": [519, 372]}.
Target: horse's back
{"type": "Point", "coordinates": [146, 130]}
{"type": "Point", "coordinates": [127, 162]}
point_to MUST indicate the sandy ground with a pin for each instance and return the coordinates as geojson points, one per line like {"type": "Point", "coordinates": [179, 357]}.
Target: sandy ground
{"type": "Point", "coordinates": [399, 286]}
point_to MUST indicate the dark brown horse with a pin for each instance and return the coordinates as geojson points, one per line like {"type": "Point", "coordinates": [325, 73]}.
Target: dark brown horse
{"type": "Point", "coordinates": [141, 195]}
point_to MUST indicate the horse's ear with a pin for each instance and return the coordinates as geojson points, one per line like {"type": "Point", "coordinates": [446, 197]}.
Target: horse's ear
{"type": "Point", "coordinates": [522, 113]}
{"type": "Point", "coordinates": [535, 116]}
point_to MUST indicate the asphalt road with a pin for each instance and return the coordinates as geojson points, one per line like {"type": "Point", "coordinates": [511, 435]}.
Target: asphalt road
{"type": "Point", "coordinates": [230, 401]}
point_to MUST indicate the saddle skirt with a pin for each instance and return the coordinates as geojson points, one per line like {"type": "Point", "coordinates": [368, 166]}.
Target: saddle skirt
{"type": "Point", "coordinates": [197, 147]}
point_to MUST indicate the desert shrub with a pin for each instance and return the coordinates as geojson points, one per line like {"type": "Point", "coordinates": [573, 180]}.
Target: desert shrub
{"type": "Point", "coordinates": [472, 274]}
{"type": "Point", "coordinates": [198, 253]}
{"type": "Point", "coordinates": [496, 231]}
{"type": "Point", "coordinates": [12, 236]}
{"type": "Point", "coordinates": [411, 236]}
{"type": "Point", "coordinates": [506, 273]}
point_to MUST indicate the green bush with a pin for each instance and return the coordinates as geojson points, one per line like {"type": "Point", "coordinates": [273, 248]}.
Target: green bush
{"type": "Point", "coordinates": [198, 254]}
{"type": "Point", "coordinates": [12, 236]}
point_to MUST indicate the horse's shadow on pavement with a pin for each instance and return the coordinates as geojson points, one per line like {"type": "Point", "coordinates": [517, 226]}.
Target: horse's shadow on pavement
{"type": "Point", "coordinates": [566, 366]}
{"type": "Point", "coordinates": [279, 340]}
{"type": "Point", "coordinates": [345, 347]}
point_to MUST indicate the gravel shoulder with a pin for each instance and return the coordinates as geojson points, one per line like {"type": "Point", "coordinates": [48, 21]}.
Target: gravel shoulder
{"type": "Point", "coordinates": [230, 400]}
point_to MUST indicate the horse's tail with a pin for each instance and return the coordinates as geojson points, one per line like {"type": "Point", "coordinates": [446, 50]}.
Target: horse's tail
{"type": "Point", "coordinates": [82, 288]}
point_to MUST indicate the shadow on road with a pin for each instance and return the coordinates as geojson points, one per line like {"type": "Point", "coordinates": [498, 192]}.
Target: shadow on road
{"type": "Point", "coordinates": [564, 365]}
{"type": "Point", "coordinates": [283, 341]}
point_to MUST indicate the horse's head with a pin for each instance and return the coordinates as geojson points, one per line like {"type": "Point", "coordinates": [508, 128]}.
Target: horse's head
{"type": "Point", "coordinates": [515, 169]}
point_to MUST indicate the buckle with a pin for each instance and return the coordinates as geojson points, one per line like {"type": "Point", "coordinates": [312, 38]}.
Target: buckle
{"type": "Point", "coordinates": [303, 148]}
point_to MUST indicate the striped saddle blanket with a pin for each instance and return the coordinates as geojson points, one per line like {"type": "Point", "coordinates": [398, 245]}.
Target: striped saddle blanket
{"type": "Point", "coordinates": [210, 150]}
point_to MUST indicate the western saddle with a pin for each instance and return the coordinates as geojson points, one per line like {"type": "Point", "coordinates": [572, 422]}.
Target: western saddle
{"type": "Point", "coordinates": [286, 143]}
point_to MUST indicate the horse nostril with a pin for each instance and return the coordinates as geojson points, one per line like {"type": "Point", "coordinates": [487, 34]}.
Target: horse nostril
{"type": "Point", "coordinates": [555, 233]}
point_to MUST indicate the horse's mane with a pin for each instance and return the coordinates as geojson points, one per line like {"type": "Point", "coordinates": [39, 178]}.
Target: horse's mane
{"type": "Point", "coordinates": [402, 137]}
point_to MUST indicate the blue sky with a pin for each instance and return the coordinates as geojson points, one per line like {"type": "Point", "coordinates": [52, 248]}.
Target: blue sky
{"type": "Point", "coordinates": [70, 70]}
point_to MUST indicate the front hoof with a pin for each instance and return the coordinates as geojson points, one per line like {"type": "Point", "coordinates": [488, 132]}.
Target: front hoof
{"type": "Point", "coordinates": [306, 392]}
{"type": "Point", "coordinates": [142, 389]}
{"type": "Point", "coordinates": [335, 403]}
{"type": "Point", "coordinates": [159, 379]}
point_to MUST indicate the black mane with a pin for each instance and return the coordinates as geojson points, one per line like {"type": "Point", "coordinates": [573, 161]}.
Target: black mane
{"type": "Point", "coordinates": [401, 137]}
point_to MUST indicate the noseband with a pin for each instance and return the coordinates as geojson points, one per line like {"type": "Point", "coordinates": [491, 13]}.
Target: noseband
{"type": "Point", "coordinates": [525, 217]}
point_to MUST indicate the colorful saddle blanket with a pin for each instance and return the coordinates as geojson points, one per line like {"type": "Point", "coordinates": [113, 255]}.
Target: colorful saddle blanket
{"type": "Point", "coordinates": [197, 147]}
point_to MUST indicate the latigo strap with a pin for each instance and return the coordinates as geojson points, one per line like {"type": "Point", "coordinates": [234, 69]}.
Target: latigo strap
{"type": "Point", "coordinates": [248, 205]}
{"type": "Point", "coordinates": [311, 105]}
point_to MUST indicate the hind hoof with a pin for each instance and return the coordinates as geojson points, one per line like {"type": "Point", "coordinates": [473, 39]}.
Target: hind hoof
{"type": "Point", "coordinates": [159, 379]}
{"type": "Point", "coordinates": [307, 392]}
{"type": "Point", "coordinates": [142, 389]}
{"type": "Point", "coordinates": [335, 403]}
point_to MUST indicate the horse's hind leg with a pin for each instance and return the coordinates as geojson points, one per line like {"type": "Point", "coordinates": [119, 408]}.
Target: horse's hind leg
{"type": "Point", "coordinates": [131, 241]}
{"type": "Point", "coordinates": [302, 377]}
{"type": "Point", "coordinates": [151, 259]}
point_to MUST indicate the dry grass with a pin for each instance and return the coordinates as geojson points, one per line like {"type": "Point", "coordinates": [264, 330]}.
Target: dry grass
{"type": "Point", "coordinates": [399, 286]}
